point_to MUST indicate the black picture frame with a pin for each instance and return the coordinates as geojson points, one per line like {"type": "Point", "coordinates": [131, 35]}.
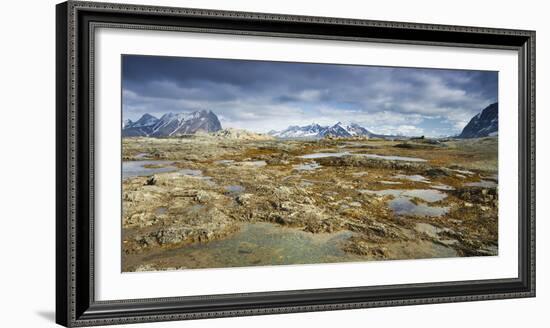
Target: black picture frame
{"type": "Point", "coordinates": [75, 301]}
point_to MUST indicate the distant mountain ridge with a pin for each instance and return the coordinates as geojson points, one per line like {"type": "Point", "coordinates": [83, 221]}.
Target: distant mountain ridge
{"type": "Point", "coordinates": [315, 130]}
{"type": "Point", "coordinates": [172, 124]}
{"type": "Point", "coordinates": [483, 124]}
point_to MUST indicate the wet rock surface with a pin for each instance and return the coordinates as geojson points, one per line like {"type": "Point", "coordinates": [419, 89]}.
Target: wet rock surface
{"type": "Point", "coordinates": [209, 189]}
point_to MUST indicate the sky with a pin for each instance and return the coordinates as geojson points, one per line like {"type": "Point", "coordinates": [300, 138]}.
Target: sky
{"type": "Point", "coordinates": [264, 95]}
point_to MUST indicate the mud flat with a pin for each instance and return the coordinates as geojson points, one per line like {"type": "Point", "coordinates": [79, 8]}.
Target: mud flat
{"type": "Point", "coordinates": [205, 202]}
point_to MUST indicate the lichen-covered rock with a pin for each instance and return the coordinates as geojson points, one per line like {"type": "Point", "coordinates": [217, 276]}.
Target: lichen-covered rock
{"type": "Point", "coordinates": [334, 196]}
{"type": "Point", "coordinates": [244, 199]}
{"type": "Point", "coordinates": [365, 162]}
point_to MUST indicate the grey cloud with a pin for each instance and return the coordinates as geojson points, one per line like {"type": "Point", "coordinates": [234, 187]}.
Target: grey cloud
{"type": "Point", "coordinates": [272, 95]}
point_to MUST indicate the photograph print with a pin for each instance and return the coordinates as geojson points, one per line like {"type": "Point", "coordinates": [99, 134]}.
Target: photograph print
{"type": "Point", "coordinates": [237, 163]}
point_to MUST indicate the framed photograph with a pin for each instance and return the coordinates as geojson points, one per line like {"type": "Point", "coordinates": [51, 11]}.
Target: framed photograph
{"type": "Point", "coordinates": [214, 163]}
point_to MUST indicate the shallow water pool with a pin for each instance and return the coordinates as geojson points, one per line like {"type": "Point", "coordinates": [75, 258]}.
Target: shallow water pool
{"type": "Point", "coordinates": [260, 244]}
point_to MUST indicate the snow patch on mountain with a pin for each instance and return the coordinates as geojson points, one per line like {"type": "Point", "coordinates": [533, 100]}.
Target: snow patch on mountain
{"type": "Point", "coordinates": [173, 124]}
{"type": "Point", "coordinates": [483, 124]}
{"type": "Point", "coordinates": [315, 131]}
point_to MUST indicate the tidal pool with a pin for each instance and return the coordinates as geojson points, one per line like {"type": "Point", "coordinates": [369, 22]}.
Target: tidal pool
{"type": "Point", "coordinates": [404, 206]}
{"type": "Point", "coordinates": [415, 178]}
{"type": "Point", "coordinates": [427, 195]}
{"type": "Point", "coordinates": [323, 155]}
{"type": "Point", "coordinates": [374, 156]}
{"type": "Point", "coordinates": [307, 166]}
{"type": "Point", "coordinates": [393, 158]}
{"type": "Point", "coordinates": [442, 187]}
{"type": "Point", "coordinates": [150, 167]}
{"type": "Point", "coordinates": [138, 169]}
{"type": "Point", "coordinates": [482, 183]}
{"type": "Point", "coordinates": [401, 203]}
{"type": "Point", "coordinates": [259, 244]}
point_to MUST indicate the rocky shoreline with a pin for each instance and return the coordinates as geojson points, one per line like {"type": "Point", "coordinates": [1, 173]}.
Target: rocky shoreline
{"type": "Point", "coordinates": [211, 186]}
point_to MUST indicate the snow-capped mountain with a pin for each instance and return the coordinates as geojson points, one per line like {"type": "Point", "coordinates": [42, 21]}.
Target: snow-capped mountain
{"type": "Point", "coordinates": [337, 130]}
{"type": "Point", "coordinates": [172, 124]}
{"type": "Point", "coordinates": [356, 130]}
{"type": "Point", "coordinates": [308, 131]}
{"type": "Point", "coordinates": [145, 121]}
{"type": "Point", "coordinates": [141, 127]}
{"type": "Point", "coordinates": [483, 124]}
{"type": "Point", "coordinates": [317, 131]}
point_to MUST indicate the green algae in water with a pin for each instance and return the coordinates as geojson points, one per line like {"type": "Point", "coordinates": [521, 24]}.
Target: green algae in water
{"type": "Point", "coordinates": [260, 244]}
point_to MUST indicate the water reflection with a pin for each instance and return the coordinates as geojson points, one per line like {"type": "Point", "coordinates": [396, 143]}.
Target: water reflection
{"type": "Point", "coordinates": [146, 168]}
{"type": "Point", "coordinates": [402, 203]}
{"type": "Point", "coordinates": [261, 244]}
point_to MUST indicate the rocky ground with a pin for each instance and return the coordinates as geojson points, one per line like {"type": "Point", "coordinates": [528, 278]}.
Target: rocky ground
{"type": "Point", "coordinates": [435, 199]}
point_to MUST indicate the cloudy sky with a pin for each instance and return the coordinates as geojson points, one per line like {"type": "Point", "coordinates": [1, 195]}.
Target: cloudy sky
{"type": "Point", "coordinates": [262, 95]}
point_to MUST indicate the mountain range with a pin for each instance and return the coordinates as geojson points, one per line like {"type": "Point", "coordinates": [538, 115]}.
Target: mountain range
{"type": "Point", "coordinates": [172, 124]}
{"type": "Point", "coordinates": [315, 130]}
{"type": "Point", "coordinates": [484, 124]}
